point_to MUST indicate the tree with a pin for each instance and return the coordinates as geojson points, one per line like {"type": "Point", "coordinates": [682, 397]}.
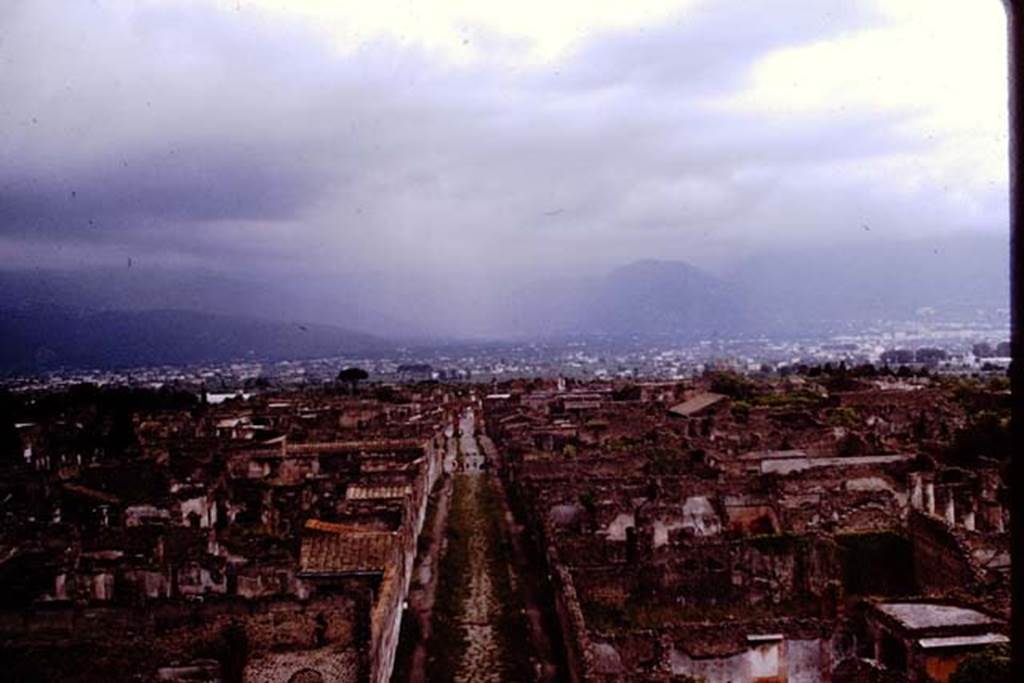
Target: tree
{"type": "Point", "coordinates": [991, 665]}
{"type": "Point", "coordinates": [898, 356]}
{"type": "Point", "coordinates": [352, 377]}
{"type": "Point", "coordinates": [930, 356]}
{"type": "Point", "coordinates": [850, 446]}
{"type": "Point", "coordinates": [260, 382]}
{"type": "Point", "coordinates": [733, 385]}
{"type": "Point", "coordinates": [987, 435]}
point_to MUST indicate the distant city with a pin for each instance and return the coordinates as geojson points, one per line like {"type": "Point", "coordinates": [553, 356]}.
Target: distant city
{"type": "Point", "coordinates": [963, 349]}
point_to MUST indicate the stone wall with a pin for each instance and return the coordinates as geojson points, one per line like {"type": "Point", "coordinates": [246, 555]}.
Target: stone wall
{"type": "Point", "coordinates": [176, 633]}
{"type": "Point", "coordinates": [332, 665]}
{"type": "Point", "coordinates": [769, 569]}
{"type": "Point", "coordinates": [941, 562]}
{"type": "Point", "coordinates": [386, 619]}
{"type": "Point", "coordinates": [570, 619]}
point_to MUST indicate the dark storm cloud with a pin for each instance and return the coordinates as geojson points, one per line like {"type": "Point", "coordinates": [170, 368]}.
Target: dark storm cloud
{"type": "Point", "coordinates": [118, 131]}
{"type": "Point", "coordinates": [185, 116]}
{"type": "Point", "coordinates": [184, 183]}
{"type": "Point", "coordinates": [220, 137]}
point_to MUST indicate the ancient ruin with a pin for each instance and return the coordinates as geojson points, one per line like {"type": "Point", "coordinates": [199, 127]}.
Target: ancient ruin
{"type": "Point", "coordinates": [813, 527]}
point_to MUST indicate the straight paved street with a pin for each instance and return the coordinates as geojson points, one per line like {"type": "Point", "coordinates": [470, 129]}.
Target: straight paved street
{"type": "Point", "coordinates": [473, 460]}
{"type": "Point", "coordinates": [480, 620]}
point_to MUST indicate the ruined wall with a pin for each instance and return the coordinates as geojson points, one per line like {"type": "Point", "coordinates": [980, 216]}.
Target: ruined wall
{"type": "Point", "coordinates": [769, 569]}
{"type": "Point", "coordinates": [332, 665]}
{"type": "Point", "coordinates": [387, 613]}
{"type": "Point", "coordinates": [779, 652]}
{"type": "Point", "coordinates": [174, 632]}
{"type": "Point", "coordinates": [941, 563]}
{"type": "Point", "coordinates": [730, 668]}
{"type": "Point", "coordinates": [570, 619]}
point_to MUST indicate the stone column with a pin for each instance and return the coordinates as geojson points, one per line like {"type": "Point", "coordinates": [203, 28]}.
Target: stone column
{"type": "Point", "coordinates": [950, 511]}
{"type": "Point", "coordinates": [916, 494]}
{"type": "Point", "coordinates": [929, 497]}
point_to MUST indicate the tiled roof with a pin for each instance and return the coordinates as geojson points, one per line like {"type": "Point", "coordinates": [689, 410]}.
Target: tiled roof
{"type": "Point", "coordinates": [922, 615]}
{"type": "Point", "coordinates": [962, 641]}
{"type": "Point", "coordinates": [377, 492]}
{"type": "Point", "coordinates": [351, 553]}
{"type": "Point", "coordinates": [367, 446]}
{"type": "Point", "coordinates": [334, 527]}
{"type": "Point", "coordinates": [101, 496]}
{"type": "Point", "coordinates": [696, 404]}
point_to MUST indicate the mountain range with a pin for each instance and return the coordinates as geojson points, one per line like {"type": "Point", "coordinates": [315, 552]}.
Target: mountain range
{"type": "Point", "coordinates": [780, 292]}
{"type": "Point", "coordinates": [96, 319]}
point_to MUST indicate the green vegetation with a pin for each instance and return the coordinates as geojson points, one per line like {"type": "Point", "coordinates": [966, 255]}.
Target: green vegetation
{"type": "Point", "coordinates": [801, 398]}
{"type": "Point", "coordinates": [843, 416]}
{"type": "Point", "coordinates": [447, 636]}
{"type": "Point", "coordinates": [511, 624]}
{"type": "Point", "coordinates": [476, 511]}
{"type": "Point", "coordinates": [351, 377]}
{"type": "Point", "coordinates": [992, 665]}
{"type": "Point", "coordinates": [973, 394]}
{"type": "Point", "coordinates": [589, 501]}
{"type": "Point", "coordinates": [733, 385]}
{"type": "Point", "coordinates": [986, 435]}
{"type": "Point", "coordinates": [662, 460]}
{"type": "Point", "coordinates": [850, 446]}
{"type": "Point", "coordinates": [741, 411]}
{"type": "Point", "coordinates": [747, 393]}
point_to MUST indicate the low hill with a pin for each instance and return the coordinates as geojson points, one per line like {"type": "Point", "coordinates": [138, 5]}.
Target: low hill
{"type": "Point", "coordinates": [40, 338]}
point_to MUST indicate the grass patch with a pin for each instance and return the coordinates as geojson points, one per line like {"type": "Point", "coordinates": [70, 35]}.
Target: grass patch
{"type": "Point", "coordinates": [511, 623]}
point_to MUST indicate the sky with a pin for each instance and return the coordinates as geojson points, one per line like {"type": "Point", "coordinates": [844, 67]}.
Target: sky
{"type": "Point", "coordinates": [449, 149]}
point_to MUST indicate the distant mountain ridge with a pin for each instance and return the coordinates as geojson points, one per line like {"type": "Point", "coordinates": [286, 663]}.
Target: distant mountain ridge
{"type": "Point", "coordinates": [652, 298]}
{"type": "Point", "coordinates": [40, 338]}
{"type": "Point", "coordinates": [49, 320]}
{"type": "Point", "coordinates": [957, 278]}
{"type": "Point", "coordinates": [782, 292]}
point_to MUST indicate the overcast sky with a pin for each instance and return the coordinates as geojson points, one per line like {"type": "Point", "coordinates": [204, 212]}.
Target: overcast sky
{"type": "Point", "coordinates": [505, 139]}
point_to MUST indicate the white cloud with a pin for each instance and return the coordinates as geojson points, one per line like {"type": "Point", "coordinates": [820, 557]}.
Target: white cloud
{"type": "Point", "coordinates": [942, 62]}
{"type": "Point", "coordinates": [464, 30]}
